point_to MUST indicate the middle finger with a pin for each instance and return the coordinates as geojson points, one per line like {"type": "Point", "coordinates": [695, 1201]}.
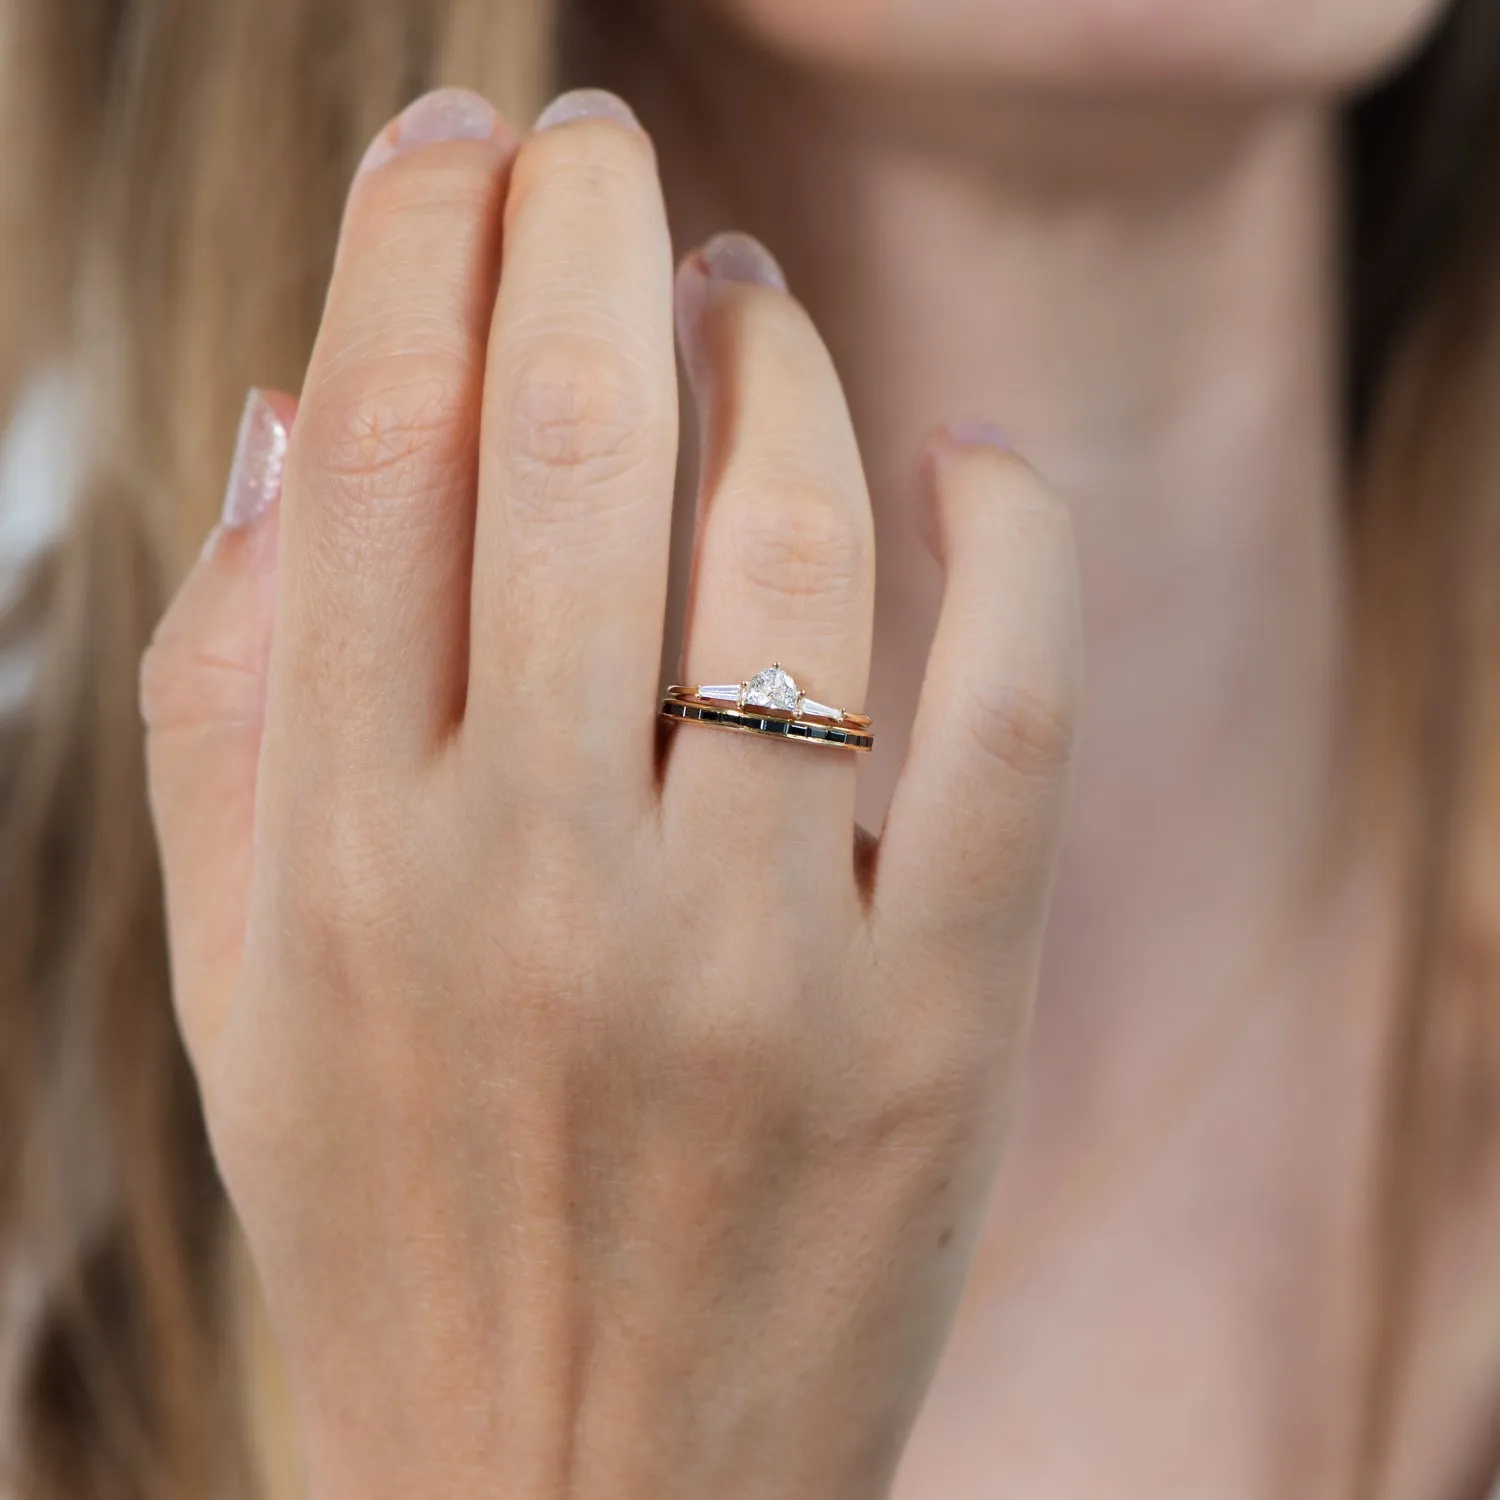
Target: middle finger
{"type": "Point", "coordinates": [577, 454]}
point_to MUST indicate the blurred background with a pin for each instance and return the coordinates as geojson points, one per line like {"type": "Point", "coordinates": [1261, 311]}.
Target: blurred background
{"type": "Point", "coordinates": [1228, 271]}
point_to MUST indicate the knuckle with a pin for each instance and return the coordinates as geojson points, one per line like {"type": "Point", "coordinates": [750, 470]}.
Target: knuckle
{"type": "Point", "coordinates": [166, 682]}
{"type": "Point", "coordinates": [1027, 732]}
{"type": "Point", "coordinates": [184, 684]}
{"type": "Point", "coordinates": [400, 428]}
{"type": "Point", "coordinates": [576, 414]}
{"type": "Point", "coordinates": [799, 541]}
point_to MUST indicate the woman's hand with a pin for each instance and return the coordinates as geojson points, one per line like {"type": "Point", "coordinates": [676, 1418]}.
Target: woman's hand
{"type": "Point", "coordinates": [602, 1124]}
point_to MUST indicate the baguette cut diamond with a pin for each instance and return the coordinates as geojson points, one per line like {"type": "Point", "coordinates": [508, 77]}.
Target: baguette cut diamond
{"type": "Point", "coordinates": [810, 709]}
{"type": "Point", "coordinates": [772, 688]}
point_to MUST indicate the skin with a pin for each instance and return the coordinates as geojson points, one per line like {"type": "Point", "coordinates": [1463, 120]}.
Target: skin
{"type": "Point", "coordinates": [675, 1189]}
{"type": "Point", "coordinates": [575, 1157]}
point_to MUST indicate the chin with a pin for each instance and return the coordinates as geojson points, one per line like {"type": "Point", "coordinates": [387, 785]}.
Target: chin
{"type": "Point", "coordinates": [1331, 46]}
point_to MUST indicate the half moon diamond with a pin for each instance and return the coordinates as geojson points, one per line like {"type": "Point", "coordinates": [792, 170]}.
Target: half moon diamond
{"type": "Point", "coordinates": [772, 688]}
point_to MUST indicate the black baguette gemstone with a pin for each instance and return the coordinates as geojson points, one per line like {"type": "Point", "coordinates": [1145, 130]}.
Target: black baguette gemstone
{"type": "Point", "coordinates": [736, 718]}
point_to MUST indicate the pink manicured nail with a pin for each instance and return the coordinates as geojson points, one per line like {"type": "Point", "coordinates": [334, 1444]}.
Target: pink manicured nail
{"type": "Point", "coordinates": [259, 461]}
{"type": "Point", "coordinates": [740, 257]}
{"type": "Point", "coordinates": [976, 432]}
{"type": "Point", "coordinates": [586, 104]}
{"type": "Point", "coordinates": [443, 115]}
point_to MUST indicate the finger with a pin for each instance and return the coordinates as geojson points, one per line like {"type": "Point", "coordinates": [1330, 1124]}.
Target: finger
{"type": "Point", "coordinates": [785, 558]}
{"type": "Point", "coordinates": [203, 682]}
{"type": "Point", "coordinates": [377, 529]}
{"type": "Point", "coordinates": [966, 854]}
{"type": "Point", "coordinates": [578, 455]}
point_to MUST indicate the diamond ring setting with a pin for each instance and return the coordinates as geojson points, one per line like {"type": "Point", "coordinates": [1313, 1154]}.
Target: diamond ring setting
{"type": "Point", "coordinates": [769, 703]}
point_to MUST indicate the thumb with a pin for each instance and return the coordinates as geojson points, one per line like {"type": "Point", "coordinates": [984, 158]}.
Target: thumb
{"type": "Point", "coordinates": [203, 683]}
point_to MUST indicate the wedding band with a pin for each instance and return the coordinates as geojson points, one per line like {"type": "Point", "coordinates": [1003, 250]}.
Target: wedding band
{"type": "Point", "coordinates": [768, 703]}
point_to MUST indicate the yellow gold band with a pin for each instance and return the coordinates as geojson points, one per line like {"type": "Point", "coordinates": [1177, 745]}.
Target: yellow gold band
{"type": "Point", "coordinates": [775, 725]}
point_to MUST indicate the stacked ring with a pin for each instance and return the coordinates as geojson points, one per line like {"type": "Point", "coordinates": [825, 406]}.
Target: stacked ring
{"type": "Point", "coordinates": [769, 703]}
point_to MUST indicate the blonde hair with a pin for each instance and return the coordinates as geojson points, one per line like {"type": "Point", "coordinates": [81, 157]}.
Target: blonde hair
{"type": "Point", "coordinates": [169, 214]}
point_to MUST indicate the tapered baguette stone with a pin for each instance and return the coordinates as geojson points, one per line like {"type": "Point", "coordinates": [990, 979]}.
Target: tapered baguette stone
{"type": "Point", "coordinates": [815, 710]}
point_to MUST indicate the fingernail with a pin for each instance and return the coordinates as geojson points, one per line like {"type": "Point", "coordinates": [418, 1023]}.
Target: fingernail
{"type": "Point", "coordinates": [443, 115]}
{"type": "Point", "coordinates": [689, 294]}
{"type": "Point", "coordinates": [740, 257]}
{"type": "Point", "coordinates": [731, 257]}
{"type": "Point", "coordinates": [259, 462]}
{"type": "Point", "coordinates": [976, 432]}
{"type": "Point", "coordinates": [586, 104]}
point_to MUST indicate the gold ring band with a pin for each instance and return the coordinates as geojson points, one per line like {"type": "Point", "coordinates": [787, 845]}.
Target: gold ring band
{"type": "Point", "coordinates": [773, 689]}
{"type": "Point", "coordinates": [768, 703]}
{"type": "Point", "coordinates": [775, 726]}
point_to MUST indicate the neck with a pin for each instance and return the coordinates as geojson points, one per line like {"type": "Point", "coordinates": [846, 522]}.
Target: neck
{"type": "Point", "coordinates": [1145, 297]}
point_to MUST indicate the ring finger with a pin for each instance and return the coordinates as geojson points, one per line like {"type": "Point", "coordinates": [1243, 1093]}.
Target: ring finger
{"type": "Point", "coordinates": [785, 553]}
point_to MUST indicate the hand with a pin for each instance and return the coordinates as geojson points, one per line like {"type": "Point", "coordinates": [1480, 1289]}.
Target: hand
{"type": "Point", "coordinates": [599, 1127]}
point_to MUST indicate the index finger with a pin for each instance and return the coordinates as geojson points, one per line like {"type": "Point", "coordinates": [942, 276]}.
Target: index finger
{"type": "Point", "coordinates": [378, 501]}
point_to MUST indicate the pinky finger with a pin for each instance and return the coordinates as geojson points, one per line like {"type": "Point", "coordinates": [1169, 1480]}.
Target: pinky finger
{"type": "Point", "coordinates": [970, 840]}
